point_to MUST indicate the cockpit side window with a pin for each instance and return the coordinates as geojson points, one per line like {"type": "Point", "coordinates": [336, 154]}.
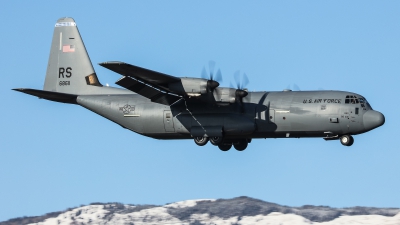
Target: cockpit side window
{"type": "Point", "coordinates": [364, 103]}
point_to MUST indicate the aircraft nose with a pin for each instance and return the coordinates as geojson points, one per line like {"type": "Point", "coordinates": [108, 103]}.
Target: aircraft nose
{"type": "Point", "coordinates": [373, 119]}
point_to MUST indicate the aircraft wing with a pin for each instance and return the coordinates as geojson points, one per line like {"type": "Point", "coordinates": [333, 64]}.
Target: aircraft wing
{"type": "Point", "coordinates": [156, 79]}
{"type": "Point", "coordinates": [145, 90]}
{"type": "Point", "coordinates": [148, 83]}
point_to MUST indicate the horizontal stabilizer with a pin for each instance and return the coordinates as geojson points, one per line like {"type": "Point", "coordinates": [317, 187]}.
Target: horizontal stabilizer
{"type": "Point", "coordinates": [147, 91]}
{"type": "Point", "coordinates": [49, 95]}
{"type": "Point", "coordinates": [156, 79]}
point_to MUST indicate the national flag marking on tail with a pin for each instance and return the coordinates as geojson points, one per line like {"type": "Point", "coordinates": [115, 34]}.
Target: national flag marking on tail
{"type": "Point", "coordinates": [68, 48]}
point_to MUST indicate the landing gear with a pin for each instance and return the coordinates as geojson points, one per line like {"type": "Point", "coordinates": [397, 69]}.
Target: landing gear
{"type": "Point", "coordinates": [225, 147]}
{"type": "Point", "coordinates": [201, 141]}
{"type": "Point", "coordinates": [216, 140]}
{"type": "Point", "coordinates": [242, 145]}
{"type": "Point", "coordinates": [223, 143]}
{"type": "Point", "coordinates": [346, 140]}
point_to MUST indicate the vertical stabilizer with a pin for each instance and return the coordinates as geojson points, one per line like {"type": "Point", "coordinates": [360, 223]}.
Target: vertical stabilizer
{"type": "Point", "coordinates": [69, 69]}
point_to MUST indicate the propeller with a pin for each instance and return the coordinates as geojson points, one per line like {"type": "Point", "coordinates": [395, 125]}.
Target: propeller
{"type": "Point", "coordinates": [293, 87]}
{"type": "Point", "coordinates": [241, 90]}
{"type": "Point", "coordinates": [213, 80]}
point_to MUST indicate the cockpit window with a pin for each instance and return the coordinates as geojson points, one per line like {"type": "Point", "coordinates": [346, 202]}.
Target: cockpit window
{"type": "Point", "coordinates": [352, 99]}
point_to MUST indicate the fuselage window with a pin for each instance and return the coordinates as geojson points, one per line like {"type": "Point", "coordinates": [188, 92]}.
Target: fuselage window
{"type": "Point", "coordinates": [356, 111]}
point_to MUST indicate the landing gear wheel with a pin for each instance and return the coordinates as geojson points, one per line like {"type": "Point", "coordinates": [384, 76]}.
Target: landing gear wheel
{"type": "Point", "coordinates": [201, 141]}
{"type": "Point", "coordinates": [346, 140]}
{"type": "Point", "coordinates": [216, 140]}
{"type": "Point", "coordinates": [241, 145]}
{"type": "Point", "coordinates": [351, 141]}
{"type": "Point", "coordinates": [224, 148]}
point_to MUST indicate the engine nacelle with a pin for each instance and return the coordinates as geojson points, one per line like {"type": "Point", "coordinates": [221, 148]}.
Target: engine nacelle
{"type": "Point", "coordinates": [225, 95]}
{"type": "Point", "coordinates": [192, 87]}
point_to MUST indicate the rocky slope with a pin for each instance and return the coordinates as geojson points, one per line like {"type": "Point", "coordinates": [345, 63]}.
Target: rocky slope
{"type": "Point", "coordinates": [241, 210]}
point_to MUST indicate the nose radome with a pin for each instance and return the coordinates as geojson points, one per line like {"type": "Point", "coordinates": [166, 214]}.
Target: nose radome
{"type": "Point", "coordinates": [373, 119]}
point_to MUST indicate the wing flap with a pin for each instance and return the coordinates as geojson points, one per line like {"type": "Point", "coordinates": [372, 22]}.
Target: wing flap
{"type": "Point", "coordinates": [145, 90]}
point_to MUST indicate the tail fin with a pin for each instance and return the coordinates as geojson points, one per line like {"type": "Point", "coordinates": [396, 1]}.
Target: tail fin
{"type": "Point", "coordinates": [69, 69]}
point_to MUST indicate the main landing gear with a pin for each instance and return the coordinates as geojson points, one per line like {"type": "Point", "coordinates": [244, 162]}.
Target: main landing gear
{"type": "Point", "coordinates": [347, 140]}
{"type": "Point", "coordinates": [201, 141]}
{"type": "Point", "coordinates": [223, 145]}
{"type": "Point", "coordinates": [216, 140]}
{"type": "Point", "coordinates": [238, 144]}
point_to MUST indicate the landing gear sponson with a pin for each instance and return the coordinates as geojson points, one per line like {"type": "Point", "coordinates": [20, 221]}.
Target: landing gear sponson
{"type": "Point", "coordinates": [241, 144]}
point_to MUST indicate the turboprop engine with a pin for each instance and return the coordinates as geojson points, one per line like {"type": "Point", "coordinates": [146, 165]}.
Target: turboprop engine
{"type": "Point", "coordinates": [193, 87]}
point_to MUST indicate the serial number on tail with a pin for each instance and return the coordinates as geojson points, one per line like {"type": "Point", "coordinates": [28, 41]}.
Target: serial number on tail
{"type": "Point", "coordinates": [64, 83]}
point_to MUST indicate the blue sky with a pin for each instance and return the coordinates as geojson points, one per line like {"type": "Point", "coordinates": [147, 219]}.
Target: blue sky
{"type": "Point", "coordinates": [54, 156]}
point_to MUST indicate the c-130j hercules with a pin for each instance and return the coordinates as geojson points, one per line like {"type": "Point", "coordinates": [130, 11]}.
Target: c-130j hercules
{"type": "Point", "coordinates": [168, 107]}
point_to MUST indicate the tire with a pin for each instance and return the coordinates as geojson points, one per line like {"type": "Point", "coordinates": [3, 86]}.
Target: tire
{"type": "Point", "coordinates": [241, 145]}
{"type": "Point", "coordinates": [346, 140]}
{"type": "Point", "coordinates": [216, 140]}
{"type": "Point", "coordinates": [201, 141]}
{"type": "Point", "coordinates": [351, 141]}
{"type": "Point", "coordinates": [224, 148]}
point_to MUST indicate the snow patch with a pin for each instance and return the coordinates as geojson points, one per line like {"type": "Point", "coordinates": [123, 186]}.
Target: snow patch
{"type": "Point", "coordinates": [187, 203]}
{"type": "Point", "coordinates": [107, 215]}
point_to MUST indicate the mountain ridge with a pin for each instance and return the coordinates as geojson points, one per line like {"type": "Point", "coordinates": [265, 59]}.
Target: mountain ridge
{"type": "Point", "coordinates": [239, 210]}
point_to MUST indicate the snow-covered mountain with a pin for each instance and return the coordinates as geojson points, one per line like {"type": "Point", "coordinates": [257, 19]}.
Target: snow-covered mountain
{"type": "Point", "coordinates": [241, 210]}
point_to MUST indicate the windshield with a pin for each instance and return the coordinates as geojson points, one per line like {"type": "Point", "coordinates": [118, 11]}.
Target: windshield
{"type": "Point", "coordinates": [353, 99]}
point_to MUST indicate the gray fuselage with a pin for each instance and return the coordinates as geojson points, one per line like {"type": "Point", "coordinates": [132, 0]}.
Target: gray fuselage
{"type": "Point", "coordinates": [263, 115]}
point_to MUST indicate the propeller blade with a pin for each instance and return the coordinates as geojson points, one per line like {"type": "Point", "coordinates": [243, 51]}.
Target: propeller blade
{"type": "Point", "coordinates": [211, 65]}
{"type": "Point", "coordinates": [237, 78]}
{"type": "Point", "coordinates": [296, 88]}
{"type": "Point", "coordinates": [204, 73]}
{"type": "Point", "coordinates": [245, 81]}
{"type": "Point", "coordinates": [218, 76]}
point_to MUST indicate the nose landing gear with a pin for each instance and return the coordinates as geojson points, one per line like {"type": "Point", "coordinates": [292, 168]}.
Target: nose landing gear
{"type": "Point", "coordinates": [347, 140]}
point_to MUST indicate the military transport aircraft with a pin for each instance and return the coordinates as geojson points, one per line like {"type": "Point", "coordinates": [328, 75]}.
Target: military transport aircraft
{"type": "Point", "coordinates": [168, 107]}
